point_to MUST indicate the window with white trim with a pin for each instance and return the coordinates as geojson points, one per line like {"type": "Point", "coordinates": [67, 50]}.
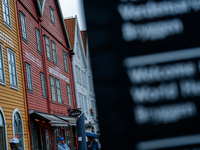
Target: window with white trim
{"type": "Point", "coordinates": [52, 15]}
{"type": "Point", "coordinates": [59, 96]}
{"type": "Point", "coordinates": [54, 53]}
{"type": "Point", "coordinates": [6, 12]}
{"type": "Point", "coordinates": [18, 130]}
{"type": "Point", "coordinates": [12, 68]}
{"type": "Point", "coordinates": [3, 139]}
{"type": "Point", "coordinates": [65, 61]}
{"type": "Point", "coordinates": [78, 75]}
{"type": "Point", "coordinates": [86, 104]}
{"type": "Point", "coordinates": [29, 77]}
{"type": "Point", "coordinates": [44, 91]}
{"type": "Point", "coordinates": [90, 83]}
{"type": "Point", "coordinates": [82, 78]}
{"type": "Point", "coordinates": [38, 41]}
{"type": "Point", "coordinates": [69, 95]}
{"type": "Point", "coordinates": [53, 88]}
{"type": "Point", "coordinates": [23, 27]}
{"type": "Point", "coordinates": [47, 41]}
{"type": "Point", "coordinates": [2, 72]}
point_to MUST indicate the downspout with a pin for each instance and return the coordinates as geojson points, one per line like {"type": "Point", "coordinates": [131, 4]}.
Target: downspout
{"type": "Point", "coordinates": [44, 64]}
{"type": "Point", "coordinates": [72, 80]}
{"type": "Point", "coordinates": [26, 90]}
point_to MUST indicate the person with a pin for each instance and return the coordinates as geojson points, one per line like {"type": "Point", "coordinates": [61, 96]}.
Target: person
{"type": "Point", "coordinates": [91, 144]}
{"type": "Point", "coordinates": [62, 145]}
{"type": "Point", "coordinates": [14, 144]}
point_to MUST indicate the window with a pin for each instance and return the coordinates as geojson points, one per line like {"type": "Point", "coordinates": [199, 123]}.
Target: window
{"type": "Point", "coordinates": [23, 27]}
{"type": "Point", "coordinates": [52, 15]}
{"type": "Point", "coordinates": [65, 61]}
{"type": "Point", "coordinates": [77, 50]}
{"type": "Point", "coordinates": [53, 88]}
{"type": "Point", "coordinates": [3, 139]}
{"type": "Point", "coordinates": [59, 96]}
{"type": "Point", "coordinates": [90, 83]}
{"type": "Point", "coordinates": [81, 103]}
{"type": "Point", "coordinates": [12, 69]}
{"type": "Point", "coordinates": [38, 40]}
{"type": "Point", "coordinates": [54, 53]}
{"type": "Point", "coordinates": [18, 129]}
{"type": "Point", "coordinates": [6, 12]}
{"type": "Point", "coordinates": [44, 93]}
{"type": "Point", "coordinates": [85, 83]}
{"type": "Point", "coordinates": [69, 95]}
{"type": "Point", "coordinates": [29, 77]}
{"type": "Point", "coordinates": [86, 104]}
{"type": "Point", "coordinates": [82, 75]}
{"type": "Point", "coordinates": [48, 48]}
{"type": "Point", "coordinates": [78, 77]}
{"type": "Point", "coordinates": [2, 73]}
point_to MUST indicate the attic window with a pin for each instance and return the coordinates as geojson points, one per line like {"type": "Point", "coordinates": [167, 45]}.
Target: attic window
{"type": "Point", "coordinates": [52, 15]}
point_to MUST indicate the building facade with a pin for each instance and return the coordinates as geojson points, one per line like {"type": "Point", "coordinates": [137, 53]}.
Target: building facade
{"type": "Point", "coordinates": [48, 74]}
{"type": "Point", "coordinates": [13, 114]}
{"type": "Point", "coordinates": [83, 78]}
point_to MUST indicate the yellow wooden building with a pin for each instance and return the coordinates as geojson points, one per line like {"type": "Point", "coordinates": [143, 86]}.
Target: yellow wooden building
{"type": "Point", "coordinates": [13, 114]}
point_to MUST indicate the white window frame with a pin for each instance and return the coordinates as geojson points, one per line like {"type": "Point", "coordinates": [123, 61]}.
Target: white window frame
{"type": "Point", "coordinates": [69, 95]}
{"type": "Point", "coordinates": [31, 82]}
{"type": "Point", "coordinates": [39, 45]}
{"type": "Point", "coordinates": [48, 46]}
{"type": "Point", "coordinates": [23, 18]}
{"type": "Point", "coordinates": [11, 85]}
{"type": "Point", "coordinates": [7, 15]}
{"type": "Point", "coordinates": [3, 69]}
{"type": "Point", "coordinates": [13, 123]}
{"type": "Point", "coordinates": [55, 60]}
{"type": "Point", "coordinates": [65, 61]}
{"type": "Point", "coordinates": [1, 111]}
{"type": "Point", "coordinates": [52, 12]}
{"type": "Point", "coordinates": [43, 82]}
{"type": "Point", "coordinates": [58, 90]}
{"type": "Point", "coordinates": [54, 89]}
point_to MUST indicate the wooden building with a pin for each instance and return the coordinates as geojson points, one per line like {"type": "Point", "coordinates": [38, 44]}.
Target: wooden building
{"type": "Point", "coordinates": [83, 79]}
{"type": "Point", "coordinates": [13, 114]}
{"type": "Point", "coordinates": [47, 64]}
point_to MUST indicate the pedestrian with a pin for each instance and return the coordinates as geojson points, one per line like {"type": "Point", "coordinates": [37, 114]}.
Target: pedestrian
{"type": "Point", "coordinates": [62, 145]}
{"type": "Point", "coordinates": [91, 144]}
{"type": "Point", "coordinates": [14, 144]}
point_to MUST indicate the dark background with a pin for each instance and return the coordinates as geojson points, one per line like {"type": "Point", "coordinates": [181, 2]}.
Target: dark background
{"type": "Point", "coordinates": [108, 50]}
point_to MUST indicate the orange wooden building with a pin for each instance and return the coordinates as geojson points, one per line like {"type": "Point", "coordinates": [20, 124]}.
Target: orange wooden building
{"type": "Point", "coordinates": [13, 114]}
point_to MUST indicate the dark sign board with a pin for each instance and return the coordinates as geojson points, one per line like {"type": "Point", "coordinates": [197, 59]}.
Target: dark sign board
{"type": "Point", "coordinates": [146, 67]}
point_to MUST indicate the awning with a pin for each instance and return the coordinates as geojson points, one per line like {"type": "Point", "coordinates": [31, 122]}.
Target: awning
{"type": "Point", "coordinates": [92, 134]}
{"type": "Point", "coordinates": [55, 121]}
{"type": "Point", "coordinates": [71, 120]}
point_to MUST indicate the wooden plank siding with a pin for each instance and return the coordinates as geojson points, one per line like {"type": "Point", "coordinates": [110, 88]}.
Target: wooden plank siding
{"type": "Point", "coordinates": [9, 97]}
{"type": "Point", "coordinates": [55, 33]}
{"type": "Point", "coordinates": [55, 30]}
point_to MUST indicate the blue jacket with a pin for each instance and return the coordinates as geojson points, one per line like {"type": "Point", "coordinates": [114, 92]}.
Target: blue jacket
{"type": "Point", "coordinates": [63, 146]}
{"type": "Point", "coordinates": [94, 145]}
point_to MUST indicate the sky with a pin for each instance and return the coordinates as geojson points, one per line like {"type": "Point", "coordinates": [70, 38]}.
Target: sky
{"type": "Point", "coordinates": [74, 7]}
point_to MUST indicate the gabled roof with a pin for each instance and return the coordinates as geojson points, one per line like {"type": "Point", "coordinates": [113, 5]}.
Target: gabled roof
{"type": "Point", "coordinates": [70, 25]}
{"type": "Point", "coordinates": [84, 37]}
{"type": "Point", "coordinates": [40, 8]}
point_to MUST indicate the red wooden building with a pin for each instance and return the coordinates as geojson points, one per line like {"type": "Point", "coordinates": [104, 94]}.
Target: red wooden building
{"type": "Point", "coordinates": [48, 73]}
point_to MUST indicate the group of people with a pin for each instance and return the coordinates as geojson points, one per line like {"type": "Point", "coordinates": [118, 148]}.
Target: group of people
{"type": "Point", "coordinates": [91, 144]}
